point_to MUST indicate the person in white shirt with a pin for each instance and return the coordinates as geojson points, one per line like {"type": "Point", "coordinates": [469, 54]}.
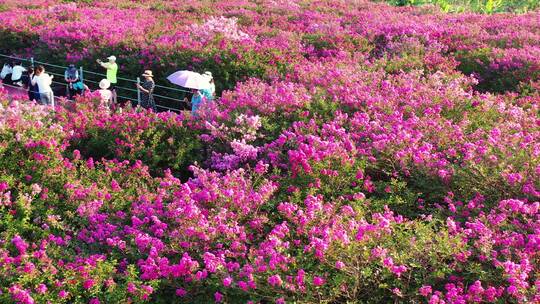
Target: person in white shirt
{"type": "Point", "coordinates": [106, 94]}
{"type": "Point", "coordinates": [17, 72]}
{"type": "Point", "coordinates": [44, 81]}
{"type": "Point", "coordinates": [6, 70]}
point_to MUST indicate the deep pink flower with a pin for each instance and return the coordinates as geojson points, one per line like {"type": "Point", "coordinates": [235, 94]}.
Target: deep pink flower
{"type": "Point", "coordinates": [88, 284]}
{"type": "Point", "coordinates": [425, 290]}
{"type": "Point", "coordinates": [275, 280]}
{"type": "Point", "coordinates": [62, 294]}
{"type": "Point", "coordinates": [318, 281]}
{"type": "Point", "coordinates": [227, 281]}
{"type": "Point", "coordinates": [94, 301]}
{"type": "Point", "coordinates": [218, 297]}
{"type": "Point", "coordinates": [181, 292]}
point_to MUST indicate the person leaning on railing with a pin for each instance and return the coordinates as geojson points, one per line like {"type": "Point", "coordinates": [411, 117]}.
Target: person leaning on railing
{"type": "Point", "coordinates": [147, 91]}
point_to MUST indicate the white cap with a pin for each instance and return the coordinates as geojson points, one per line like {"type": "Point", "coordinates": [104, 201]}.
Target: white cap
{"type": "Point", "coordinates": [112, 58]}
{"type": "Point", "coordinates": [104, 84]}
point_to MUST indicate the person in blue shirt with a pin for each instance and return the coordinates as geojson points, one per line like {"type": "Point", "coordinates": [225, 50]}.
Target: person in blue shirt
{"type": "Point", "coordinates": [206, 93]}
{"type": "Point", "coordinates": [196, 101]}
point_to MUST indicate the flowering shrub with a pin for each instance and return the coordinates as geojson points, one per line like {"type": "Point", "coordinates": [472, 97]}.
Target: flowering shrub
{"type": "Point", "coordinates": [363, 154]}
{"type": "Point", "coordinates": [238, 40]}
{"type": "Point", "coordinates": [227, 27]}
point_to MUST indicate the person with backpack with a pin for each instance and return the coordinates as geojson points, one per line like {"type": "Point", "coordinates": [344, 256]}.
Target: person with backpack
{"type": "Point", "coordinates": [75, 84]}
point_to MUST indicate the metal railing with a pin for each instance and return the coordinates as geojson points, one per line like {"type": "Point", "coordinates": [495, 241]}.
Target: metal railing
{"type": "Point", "coordinates": [132, 94]}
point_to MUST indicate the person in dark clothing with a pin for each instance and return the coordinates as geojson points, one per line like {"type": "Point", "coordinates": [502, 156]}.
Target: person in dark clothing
{"type": "Point", "coordinates": [147, 90]}
{"type": "Point", "coordinates": [71, 76]}
{"type": "Point", "coordinates": [33, 90]}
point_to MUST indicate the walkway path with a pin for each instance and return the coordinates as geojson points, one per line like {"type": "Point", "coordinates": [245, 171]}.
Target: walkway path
{"type": "Point", "coordinates": [15, 91]}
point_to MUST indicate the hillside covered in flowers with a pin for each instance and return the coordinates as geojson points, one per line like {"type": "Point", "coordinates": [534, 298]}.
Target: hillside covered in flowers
{"type": "Point", "coordinates": [359, 153]}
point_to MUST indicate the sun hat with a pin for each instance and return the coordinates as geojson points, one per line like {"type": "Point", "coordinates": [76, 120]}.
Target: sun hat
{"type": "Point", "coordinates": [104, 84]}
{"type": "Point", "coordinates": [112, 58]}
{"type": "Point", "coordinates": [148, 73]}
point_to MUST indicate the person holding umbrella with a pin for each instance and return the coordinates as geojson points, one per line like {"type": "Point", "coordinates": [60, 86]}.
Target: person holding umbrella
{"type": "Point", "coordinates": [147, 90]}
{"type": "Point", "coordinates": [194, 81]}
{"type": "Point", "coordinates": [210, 92]}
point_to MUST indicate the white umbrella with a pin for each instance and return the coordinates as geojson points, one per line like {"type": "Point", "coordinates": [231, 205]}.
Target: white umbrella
{"type": "Point", "coordinates": [189, 79]}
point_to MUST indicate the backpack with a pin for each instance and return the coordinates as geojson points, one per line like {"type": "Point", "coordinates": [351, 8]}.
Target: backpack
{"type": "Point", "coordinates": [78, 85]}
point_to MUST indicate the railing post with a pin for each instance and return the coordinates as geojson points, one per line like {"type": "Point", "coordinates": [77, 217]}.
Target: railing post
{"type": "Point", "coordinates": [81, 78]}
{"type": "Point", "coordinates": [32, 61]}
{"type": "Point", "coordinates": [138, 91]}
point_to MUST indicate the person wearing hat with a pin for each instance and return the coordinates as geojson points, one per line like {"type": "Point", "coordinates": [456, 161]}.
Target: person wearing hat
{"type": "Point", "coordinates": [209, 93]}
{"type": "Point", "coordinates": [112, 70]}
{"type": "Point", "coordinates": [105, 93]}
{"type": "Point", "coordinates": [147, 90]}
{"type": "Point", "coordinates": [71, 75]}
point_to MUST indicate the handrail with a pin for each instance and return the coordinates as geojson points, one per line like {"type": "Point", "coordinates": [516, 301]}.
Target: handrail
{"type": "Point", "coordinates": [50, 64]}
{"type": "Point", "coordinates": [16, 58]}
{"type": "Point", "coordinates": [134, 81]}
{"type": "Point", "coordinates": [128, 98]}
{"type": "Point", "coordinates": [170, 109]}
{"type": "Point", "coordinates": [166, 97]}
{"type": "Point", "coordinates": [172, 89]}
{"type": "Point", "coordinates": [22, 91]}
{"type": "Point", "coordinates": [56, 74]}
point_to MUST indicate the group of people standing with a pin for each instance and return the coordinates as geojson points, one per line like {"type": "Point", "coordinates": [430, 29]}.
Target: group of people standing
{"type": "Point", "coordinates": [39, 84]}
{"type": "Point", "coordinates": [37, 81]}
